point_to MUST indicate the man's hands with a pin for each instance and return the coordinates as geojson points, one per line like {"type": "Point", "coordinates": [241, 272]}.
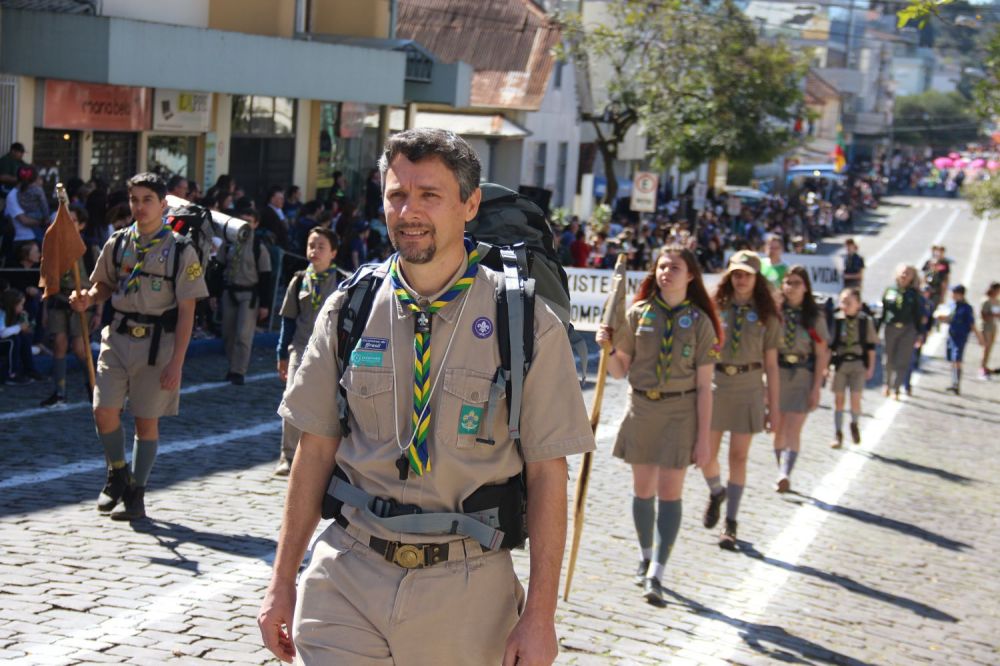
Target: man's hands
{"type": "Point", "coordinates": [80, 300]}
{"type": "Point", "coordinates": [170, 378]}
{"type": "Point", "coordinates": [275, 620]}
{"type": "Point", "coordinates": [262, 313]}
{"type": "Point", "coordinates": [532, 642]}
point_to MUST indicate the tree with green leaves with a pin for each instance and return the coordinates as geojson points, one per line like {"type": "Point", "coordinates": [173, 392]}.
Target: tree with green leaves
{"type": "Point", "coordinates": [695, 75]}
{"type": "Point", "coordinates": [943, 121]}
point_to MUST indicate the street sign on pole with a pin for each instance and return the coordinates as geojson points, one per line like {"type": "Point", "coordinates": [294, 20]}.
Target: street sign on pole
{"type": "Point", "coordinates": [643, 198]}
{"type": "Point", "coordinates": [700, 192]}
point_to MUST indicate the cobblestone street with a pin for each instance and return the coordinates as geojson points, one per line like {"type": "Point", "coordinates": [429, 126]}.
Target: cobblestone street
{"type": "Point", "coordinates": [882, 554]}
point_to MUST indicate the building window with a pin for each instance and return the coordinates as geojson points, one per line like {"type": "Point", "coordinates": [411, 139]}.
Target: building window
{"type": "Point", "coordinates": [540, 164]}
{"type": "Point", "coordinates": [561, 173]}
{"type": "Point", "coordinates": [113, 158]}
{"type": "Point", "coordinates": [170, 155]}
{"type": "Point", "coordinates": [263, 116]}
{"type": "Point", "coordinates": [57, 156]}
{"type": "Point", "coordinates": [557, 75]}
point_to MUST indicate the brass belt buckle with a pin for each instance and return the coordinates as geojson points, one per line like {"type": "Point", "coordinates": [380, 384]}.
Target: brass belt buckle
{"type": "Point", "coordinates": [898, 325]}
{"type": "Point", "coordinates": [408, 556]}
{"type": "Point", "coordinates": [138, 331]}
{"type": "Point", "coordinates": [653, 395]}
{"type": "Point", "coordinates": [731, 370]}
{"type": "Point", "coordinates": [792, 358]}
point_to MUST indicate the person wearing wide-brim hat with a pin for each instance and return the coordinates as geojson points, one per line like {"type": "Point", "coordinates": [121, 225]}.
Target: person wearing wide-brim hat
{"type": "Point", "coordinates": [741, 407]}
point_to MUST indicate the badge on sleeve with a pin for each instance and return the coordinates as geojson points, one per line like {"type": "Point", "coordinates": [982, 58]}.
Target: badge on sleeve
{"type": "Point", "coordinates": [751, 316]}
{"type": "Point", "coordinates": [468, 419]}
{"type": "Point", "coordinates": [684, 322]}
{"type": "Point", "coordinates": [193, 272]}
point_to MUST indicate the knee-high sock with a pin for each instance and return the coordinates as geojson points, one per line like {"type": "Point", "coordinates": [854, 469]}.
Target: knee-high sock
{"type": "Point", "coordinates": [59, 375]}
{"type": "Point", "coordinates": [668, 524]}
{"type": "Point", "coordinates": [644, 516]}
{"type": "Point", "coordinates": [114, 447]}
{"type": "Point", "coordinates": [838, 421]}
{"type": "Point", "coordinates": [777, 456]}
{"type": "Point", "coordinates": [956, 375]}
{"type": "Point", "coordinates": [714, 484]}
{"type": "Point", "coordinates": [788, 461]}
{"type": "Point", "coordinates": [855, 416]}
{"type": "Point", "coordinates": [143, 457]}
{"type": "Point", "coordinates": [734, 494]}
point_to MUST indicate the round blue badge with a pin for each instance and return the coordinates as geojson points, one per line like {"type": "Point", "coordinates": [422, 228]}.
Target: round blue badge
{"type": "Point", "coordinates": [684, 322]}
{"type": "Point", "coordinates": [751, 316]}
{"type": "Point", "coordinates": [482, 328]}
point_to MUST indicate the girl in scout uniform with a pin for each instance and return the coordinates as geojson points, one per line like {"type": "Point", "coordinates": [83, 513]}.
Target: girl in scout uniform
{"type": "Point", "coordinates": [852, 346]}
{"type": "Point", "coordinates": [902, 319]}
{"type": "Point", "coordinates": [668, 348]}
{"type": "Point", "coordinates": [803, 357]}
{"type": "Point", "coordinates": [307, 292]}
{"type": "Point", "coordinates": [753, 332]}
{"type": "Point", "coordinates": [989, 313]}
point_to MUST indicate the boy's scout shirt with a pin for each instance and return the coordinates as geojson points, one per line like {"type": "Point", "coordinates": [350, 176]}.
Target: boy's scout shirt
{"type": "Point", "coordinates": [694, 344]}
{"type": "Point", "coordinates": [553, 423]}
{"type": "Point", "coordinates": [794, 329]}
{"type": "Point", "coordinates": [850, 333]}
{"type": "Point", "coordinates": [298, 305]}
{"type": "Point", "coordinates": [243, 269]}
{"type": "Point", "coordinates": [158, 292]}
{"type": "Point", "coordinates": [746, 343]}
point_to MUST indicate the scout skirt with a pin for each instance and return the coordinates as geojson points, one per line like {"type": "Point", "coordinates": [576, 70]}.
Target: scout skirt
{"type": "Point", "coordinates": [658, 432]}
{"type": "Point", "coordinates": [738, 403]}
{"type": "Point", "coordinates": [795, 386]}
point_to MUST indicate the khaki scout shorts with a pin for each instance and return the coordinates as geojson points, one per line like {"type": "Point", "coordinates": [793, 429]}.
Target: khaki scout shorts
{"type": "Point", "coordinates": [738, 403]}
{"type": "Point", "coordinates": [123, 371]}
{"type": "Point", "coordinates": [795, 385]}
{"type": "Point", "coordinates": [658, 432]}
{"type": "Point", "coordinates": [356, 608]}
{"type": "Point", "coordinates": [62, 320]}
{"type": "Point", "coordinates": [850, 375]}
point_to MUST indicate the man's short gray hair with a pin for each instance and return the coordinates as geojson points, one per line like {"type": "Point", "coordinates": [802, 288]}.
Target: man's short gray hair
{"type": "Point", "coordinates": [421, 143]}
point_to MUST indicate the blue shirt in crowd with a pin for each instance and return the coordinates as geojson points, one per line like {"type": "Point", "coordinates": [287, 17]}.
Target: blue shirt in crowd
{"type": "Point", "coordinates": [962, 318]}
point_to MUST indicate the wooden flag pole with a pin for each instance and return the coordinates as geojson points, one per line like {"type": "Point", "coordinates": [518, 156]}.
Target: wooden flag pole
{"type": "Point", "coordinates": [582, 481]}
{"type": "Point", "coordinates": [84, 325]}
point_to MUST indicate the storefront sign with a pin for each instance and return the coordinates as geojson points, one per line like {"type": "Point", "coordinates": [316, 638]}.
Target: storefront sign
{"type": "Point", "coordinates": [589, 289]}
{"type": "Point", "coordinates": [643, 198]}
{"type": "Point", "coordinates": [211, 150]}
{"type": "Point", "coordinates": [91, 106]}
{"type": "Point", "coordinates": [182, 110]}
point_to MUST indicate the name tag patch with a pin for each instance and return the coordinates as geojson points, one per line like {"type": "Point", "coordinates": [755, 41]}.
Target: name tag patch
{"type": "Point", "coordinates": [157, 284]}
{"type": "Point", "coordinates": [366, 359]}
{"type": "Point", "coordinates": [373, 344]}
{"type": "Point", "coordinates": [468, 419]}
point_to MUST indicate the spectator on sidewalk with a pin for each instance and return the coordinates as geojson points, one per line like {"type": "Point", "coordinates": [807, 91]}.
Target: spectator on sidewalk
{"type": "Point", "coordinates": [16, 331]}
{"type": "Point", "coordinates": [178, 186]}
{"type": "Point", "coordinates": [854, 266]}
{"type": "Point", "coordinates": [10, 164]}
{"type": "Point", "coordinates": [272, 217]}
{"type": "Point", "coordinates": [773, 268]}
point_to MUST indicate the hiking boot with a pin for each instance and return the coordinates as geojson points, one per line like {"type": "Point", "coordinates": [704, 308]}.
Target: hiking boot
{"type": "Point", "coordinates": [838, 441]}
{"type": "Point", "coordinates": [640, 573]}
{"type": "Point", "coordinates": [53, 400]}
{"type": "Point", "coordinates": [715, 501]}
{"type": "Point", "coordinates": [114, 489]}
{"type": "Point", "coordinates": [135, 504]}
{"type": "Point", "coordinates": [727, 540]}
{"type": "Point", "coordinates": [784, 485]}
{"type": "Point", "coordinates": [236, 379]}
{"type": "Point", "coordinates": [855, 433]}
{"type": "Point", "coordinates": [284, 467]}
{"type": "Point", "coordinates": [652, 591]}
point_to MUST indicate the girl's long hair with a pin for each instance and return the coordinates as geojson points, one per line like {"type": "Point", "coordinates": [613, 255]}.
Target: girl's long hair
{"type": "Point", "coordinates": [696, 292]}
{"type": "Point", "coordinates": [810, 311]}
{"type": "Point", "coordinates": [763, 301]}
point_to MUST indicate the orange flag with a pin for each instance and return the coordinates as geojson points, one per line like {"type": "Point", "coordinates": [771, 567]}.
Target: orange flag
{"type": "Point", "coordinates": [61, 248]}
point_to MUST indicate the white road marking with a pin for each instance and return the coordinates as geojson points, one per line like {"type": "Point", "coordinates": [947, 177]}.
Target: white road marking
{"type": "Point", "coordinates": [194, 388]}
{"type": "Point", "coordinates": [898, 237]}
{"type": "Point", "coordinates": [970, 270]}
{"type": "Point", "coordinates": [98, 464]}
{"type": "Point", "coordinates": [943, 232]}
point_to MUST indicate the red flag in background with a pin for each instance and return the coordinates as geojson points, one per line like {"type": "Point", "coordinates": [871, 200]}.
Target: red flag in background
{"type": "Point", "coordinates": [61, 248]}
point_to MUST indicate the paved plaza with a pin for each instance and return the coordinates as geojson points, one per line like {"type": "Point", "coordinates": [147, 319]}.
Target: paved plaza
{"type": "Point", "coordinates": [884, 553]}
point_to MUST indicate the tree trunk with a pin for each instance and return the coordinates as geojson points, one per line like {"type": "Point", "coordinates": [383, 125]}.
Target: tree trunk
{"type": "Point", "coordinates": [609, 150]}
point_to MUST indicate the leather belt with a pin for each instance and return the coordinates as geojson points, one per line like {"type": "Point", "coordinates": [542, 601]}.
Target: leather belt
{"type": "Point", "coordinates": [898, 324]}
{"type": "Point", "coordinates": [406, 555]}
{"type": "Point", "coordinates": [796, 360]}
{"type": "Point", "coordinates": [138, 332]}
{"type": "Point", "coordinates": [731, 369]}
{"type": "Point", "coordinates": [844, 358]}
{"type": "Point", "coordinates": [663, 395]}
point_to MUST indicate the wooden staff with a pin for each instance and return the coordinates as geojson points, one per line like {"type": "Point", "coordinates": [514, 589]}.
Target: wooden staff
{"type": "Point", "coordinates": [84, 325]}
{"type": "Point", "coordinates": [579, 504]}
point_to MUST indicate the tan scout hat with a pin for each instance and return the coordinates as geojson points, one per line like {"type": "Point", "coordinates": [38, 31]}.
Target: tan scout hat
{"type": "Point", "coordinates": [744, 260]}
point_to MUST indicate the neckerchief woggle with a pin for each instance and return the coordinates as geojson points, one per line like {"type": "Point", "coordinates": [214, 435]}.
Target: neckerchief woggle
{"type": "Point", "coordinates": [416, 453]}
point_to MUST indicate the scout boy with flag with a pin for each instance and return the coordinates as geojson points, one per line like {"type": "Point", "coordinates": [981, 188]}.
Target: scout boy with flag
{"type": "Point", "coordinates": [153, 278]}
{"type": "Point", "coordinates": [63, 253]}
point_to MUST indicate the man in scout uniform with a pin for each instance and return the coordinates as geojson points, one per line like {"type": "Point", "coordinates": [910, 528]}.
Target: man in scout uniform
{"type": "Point", "coordinates": [422, 441]}
{"type": "Point", "coordinates": [153, 279]}
{"type": "Point", "coordinates": [307, 292]}
{"type": "Point", "coordinates": [246, 298]}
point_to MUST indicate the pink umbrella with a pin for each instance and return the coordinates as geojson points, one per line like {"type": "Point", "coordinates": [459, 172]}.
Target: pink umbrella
{"type": "Point", "coordinates": [943, 162]}
{"type": "Point", "coordinates": [954, 156]}
{"type": "Point", "coordinates": [961, 163]}
{"type": "Point", "coordinates": [977, 163]}
{"type": "Point", "coordinates": [993, 165]}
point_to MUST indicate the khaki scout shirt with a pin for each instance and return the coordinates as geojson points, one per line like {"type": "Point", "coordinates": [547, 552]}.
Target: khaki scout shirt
{"type": "Point", "coordinates": [756, 337]}
{"type": "Point", "coordinates": [803, 343]}
{"type": "Point", "coordinates": [157, 291]}
{"type": "Point", "coordinates": [379, 384]}
{"type": "Point", "coordinates": [694, 344]}
{"type": "Point", "coordinates": [850, 333]}
{"type": "Point", "coordinates": [298, 305]}
{"type": "Point", "coordinates": [242, 268]}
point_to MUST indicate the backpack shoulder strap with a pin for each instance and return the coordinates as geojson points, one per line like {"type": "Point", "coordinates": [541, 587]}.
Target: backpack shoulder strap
{"type": "Point", "coordinates": [116, 249]}
{"type": "Point", "coordinates": [516, 324]}
{"type": "Point", "coordinates": [181, 243]}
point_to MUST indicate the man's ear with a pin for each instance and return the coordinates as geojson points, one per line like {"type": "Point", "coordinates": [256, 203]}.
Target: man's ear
{"type": "Point", "coordinates": [472, 204]}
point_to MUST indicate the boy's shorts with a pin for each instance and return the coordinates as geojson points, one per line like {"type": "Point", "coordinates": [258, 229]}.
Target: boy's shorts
{"type": "Point", "coordinates": [956, 348]}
